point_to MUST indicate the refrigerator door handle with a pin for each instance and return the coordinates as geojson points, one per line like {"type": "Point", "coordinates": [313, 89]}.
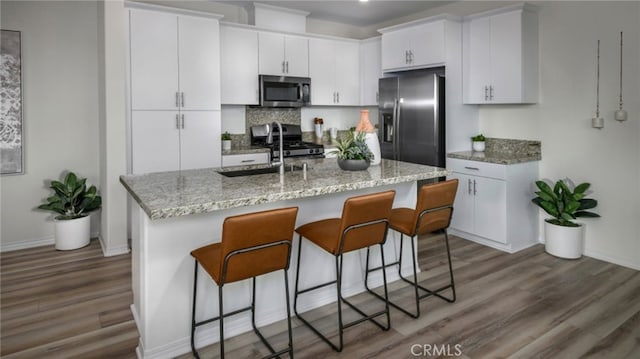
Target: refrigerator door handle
{"type": "Point", "coordinates": [396, 129]}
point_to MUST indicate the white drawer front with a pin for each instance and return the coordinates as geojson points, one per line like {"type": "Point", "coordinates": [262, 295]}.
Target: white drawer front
{"type": "Point", "coordinates": [245, 159]}
{"type": "Point", "coordinates": [476, 168]}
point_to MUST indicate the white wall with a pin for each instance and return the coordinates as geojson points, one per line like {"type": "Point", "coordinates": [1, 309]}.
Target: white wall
{"type": "Point", "coordinates": [609, 158]}
{"type": "Point", "coordinates": [60, 103]}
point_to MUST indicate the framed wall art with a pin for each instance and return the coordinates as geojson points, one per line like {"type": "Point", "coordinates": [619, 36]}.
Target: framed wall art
{"type": "Point", "coordinates": [11, 128]}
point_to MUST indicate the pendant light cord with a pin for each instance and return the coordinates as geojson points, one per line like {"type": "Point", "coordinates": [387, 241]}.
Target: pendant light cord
{"type": "Point", "coordinates": [598, 83]}
{"type": "Point", "coordinates": [621, 70]}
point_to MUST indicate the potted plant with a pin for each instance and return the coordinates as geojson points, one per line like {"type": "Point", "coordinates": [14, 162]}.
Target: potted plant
{"type": "Point", "coordinates": [564, 236]}
{"type": "Point", "coordinates": [477, 143]}
{"type": "Point", "coordinates": [353, 152]}
{"type": "Point", "coordinates": [73, 202]}
{"type": "Point", "coordinates": [226, 141]}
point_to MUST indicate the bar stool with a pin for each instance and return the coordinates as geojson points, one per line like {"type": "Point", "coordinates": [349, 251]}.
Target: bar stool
{"type": "Point", "coordinates": [252, 245]}
{"type": "Point", "coordinates": [364, 223]}
{"type": "Point", "coordinates": [432, 213]}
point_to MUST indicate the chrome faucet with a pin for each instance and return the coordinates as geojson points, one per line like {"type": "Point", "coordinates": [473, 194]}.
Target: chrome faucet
{"type": "Point", "coordinates": [280, 162]}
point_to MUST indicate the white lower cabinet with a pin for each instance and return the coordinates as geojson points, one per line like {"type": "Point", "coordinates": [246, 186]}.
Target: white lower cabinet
{"type": "Point", "coordinates": [493, 203]}
{"type": "Point", "coordinates": [171, 140]}
{"type": "Point", "coordinates": [245, 159]}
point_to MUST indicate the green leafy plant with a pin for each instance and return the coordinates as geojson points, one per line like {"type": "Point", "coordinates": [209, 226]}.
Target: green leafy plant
{"type": "Point", "coordinates": [353, 147]}
{"type": "Point", "coordinates": [478, 138]}
{"type": "Point", "coordinates": [226, 136]}
{"type": "Point", "coordinates": [72, 199]}
{"type": "Point", "coordinates": [564, 204]}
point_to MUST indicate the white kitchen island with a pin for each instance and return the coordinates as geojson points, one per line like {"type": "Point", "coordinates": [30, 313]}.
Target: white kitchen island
{"type": "Point", "coordinates": [177, 212]}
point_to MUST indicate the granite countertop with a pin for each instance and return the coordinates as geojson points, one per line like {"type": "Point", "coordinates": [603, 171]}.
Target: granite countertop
{"type": "Point", "coordinates": [245, 149]}
{"type": "Point", "coordinates": [503, 151]}
{"type": "Point", "coordinates": [171, 194]}
{"type": "Point", "coordinates": [503, 158]}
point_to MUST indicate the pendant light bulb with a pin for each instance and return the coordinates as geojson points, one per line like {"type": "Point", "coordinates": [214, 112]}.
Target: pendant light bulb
{"type": "Point", "coordinates": [620, 114]}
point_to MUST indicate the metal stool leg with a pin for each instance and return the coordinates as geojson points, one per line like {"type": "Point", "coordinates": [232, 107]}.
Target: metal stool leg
{"type": "Point", "coordinates": [221, 321]}
{"type": "Point", "coordinates": [340, 300]}
{"type": "Point", "coordinates": [193, 313]}
{"type": "Point", "coordinates": [399, 264]}
{"type": "Point", "coordinates": [436, 292]}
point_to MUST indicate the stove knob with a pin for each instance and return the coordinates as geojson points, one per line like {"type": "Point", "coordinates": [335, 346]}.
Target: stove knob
{"type": "Point", "coordinates": [287, 153]}
{"type": "Point", "coordinates": [311, 150]}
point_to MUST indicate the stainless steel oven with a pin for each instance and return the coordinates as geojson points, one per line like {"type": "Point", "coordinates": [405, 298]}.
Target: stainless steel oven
{"type": "Point", "coordinates": [284, 91]}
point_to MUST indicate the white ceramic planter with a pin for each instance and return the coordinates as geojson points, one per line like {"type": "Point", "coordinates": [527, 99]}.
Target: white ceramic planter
{"type": "Point", "coordinates": [371, 139]}
{"type": "Point", "coordinates": [72, 233]}
{"type": "Point", "coordinates": [478, 146]}
{"type": "Point", "coordinates": [226, 145]}
{"type": "Point", "coordinates": [564, 242]}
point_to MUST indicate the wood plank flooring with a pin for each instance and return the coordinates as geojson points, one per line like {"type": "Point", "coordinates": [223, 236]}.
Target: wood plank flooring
{"type": "Point", "coordinates": [524, 305]}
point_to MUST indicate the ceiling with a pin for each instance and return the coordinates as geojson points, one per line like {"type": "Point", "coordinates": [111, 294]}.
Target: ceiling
{"type": "Point", "coordinates": [353, 12]}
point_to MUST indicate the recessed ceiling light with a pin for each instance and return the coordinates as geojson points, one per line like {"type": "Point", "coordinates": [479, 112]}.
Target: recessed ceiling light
{"type": "Point", "coordinates": [364, 0]}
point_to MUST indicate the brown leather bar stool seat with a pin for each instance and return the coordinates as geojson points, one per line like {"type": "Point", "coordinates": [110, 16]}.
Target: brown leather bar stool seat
{"type": "Point", "coordinates": [364, 223]}
{"type": "Point", "coordinates": [252, 245]}
{"type": "Point", "coordinates": [433, 213]}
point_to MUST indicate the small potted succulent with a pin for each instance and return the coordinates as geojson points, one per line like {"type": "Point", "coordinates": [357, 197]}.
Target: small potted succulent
{"type": "Point", "coordinates": [226, 141]}
{"type": "Point", "coordinates": [353, 152]}
{"type": "Point", "coordinates": [72, 201]}
{"type": "Point", "coordinates": [563, 236]}
{"type": "Point", "coordinates": [477, 143]}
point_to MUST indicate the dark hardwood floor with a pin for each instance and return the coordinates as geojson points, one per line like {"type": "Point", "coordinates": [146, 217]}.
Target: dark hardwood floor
{"type": "Point", "coordinates": [524, 305]}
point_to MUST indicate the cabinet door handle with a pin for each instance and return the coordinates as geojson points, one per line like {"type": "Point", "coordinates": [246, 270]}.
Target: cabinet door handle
{"type": "Point", "coordinates": [406, 56]}
{"type": "Point", "coordinates": [247, 161]}
{"type": "Point", "coordinates": [177, 99]}
{"type": "Point", "coordinates": [486, 93]}
{"type": "Point", "coordinates": [287, 66]}
{"type": "Point", "coordinates": [491, 92]}
{"type": "Point", "coordinates": [410, 56]}
{"type": "Point", "coordinates": [182, 117]}
{"type": "Point", "coordinates": [283, 67]}
{"type": "Point", "coordinates": [182, 98]}
{"type": "Point", "coordinates": [334, 97]}
{"type": "Point", "coordinates": [177, 122]}
{"type": "Point", "coordinates": [472, 168]}
{"type": "Point", "coordinates": [377, 96]}
{"type": "Point", "coordinates": [474, 187]}
{"type": "Point", "coordinates": [469, 186]}
{"type": "Point", "coordinates": [338, 96]}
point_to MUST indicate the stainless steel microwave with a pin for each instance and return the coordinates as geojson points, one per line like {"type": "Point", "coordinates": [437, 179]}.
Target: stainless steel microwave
{"type": "Point", "coordinates": [284, 91]}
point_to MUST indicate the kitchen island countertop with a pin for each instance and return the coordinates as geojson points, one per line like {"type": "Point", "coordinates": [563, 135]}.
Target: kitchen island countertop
{"type": "Point", "coordinates": [171, 194]}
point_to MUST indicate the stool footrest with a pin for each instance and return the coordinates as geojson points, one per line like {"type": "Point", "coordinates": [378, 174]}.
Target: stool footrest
{"type": "Point", "coordinates": [385, 266]}
{"type": "Point", "coordinates": [207, 321]}
{"type": "Point", "coordinates": [317, 287]}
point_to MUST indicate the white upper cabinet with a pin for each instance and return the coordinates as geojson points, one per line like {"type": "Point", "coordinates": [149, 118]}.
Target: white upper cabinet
{"type": "Point", "coordinates": [154, 60]}
{"type": "Point", "coordinates": [174, 61]}
{"type": "Point", "coordinates": [239, 66]}
{"type": "Point", "coordinates": [283, 55]}
{"type": "Point", "coordinates": [418, 44]}
{"type": "Point", "coordinates": [500, 56]}
{"type": "Point", "coordinates": [370, 71]}
{"type": "Point", "coordinates": [335, 72]}
{"type": "Point", "coordinates": [199, 63]}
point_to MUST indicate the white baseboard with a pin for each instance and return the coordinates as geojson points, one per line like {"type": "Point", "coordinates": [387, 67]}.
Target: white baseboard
{"type": "Point", "coordinates": [113, 251]}
{"type": "Point", "coordinates": [30, 243]}
{"type": "Point", "coordinates": [605, 257]}
{"type": "Point", "coordinates": [37, 242]}
{"type": "Point", "coordinates": [613, 260]}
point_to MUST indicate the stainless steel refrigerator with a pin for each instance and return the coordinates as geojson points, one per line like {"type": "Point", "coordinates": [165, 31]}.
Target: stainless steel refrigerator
{"type": "Point", "coordinates": [411, 123]}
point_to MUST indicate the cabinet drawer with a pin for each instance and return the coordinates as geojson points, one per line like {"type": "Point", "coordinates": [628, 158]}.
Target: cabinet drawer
{"type": "Point", "coordinates": [476, 168]}
{"type": "Point", "coordinates": [245, 159]}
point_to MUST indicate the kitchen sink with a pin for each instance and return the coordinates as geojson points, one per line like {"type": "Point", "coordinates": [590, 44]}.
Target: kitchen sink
{"type": "Point", "coordinates": [259, 171]}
